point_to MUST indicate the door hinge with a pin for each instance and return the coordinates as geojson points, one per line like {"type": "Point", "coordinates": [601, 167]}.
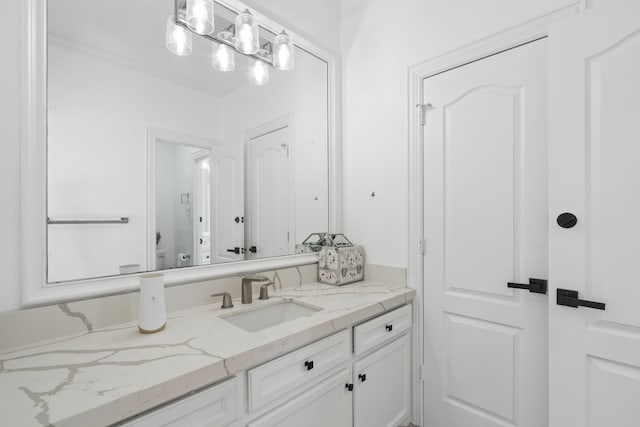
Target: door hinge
{"type": "Point", "coordinates": [422, 373]}
{"type": "Point", "coordinates": [421, 246]}
{"type": "Point", "coordinates": [288, 234]}
{"type": "Point", "coordinates": [422, 112]}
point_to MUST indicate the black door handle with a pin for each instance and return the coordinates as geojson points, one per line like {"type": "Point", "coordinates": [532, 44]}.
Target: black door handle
{"type": "Point", "coordinates": [235, 250]}
{"type": "Point", "coordinates": [536, 286]}
{"type": "Point", "coordinates": [253, 249]}
{"type": "Point", "coordinates": [570, 298]}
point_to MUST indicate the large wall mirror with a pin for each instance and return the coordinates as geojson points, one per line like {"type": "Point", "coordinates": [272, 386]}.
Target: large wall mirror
{"type": "Point", "coordinates": [157, 160]}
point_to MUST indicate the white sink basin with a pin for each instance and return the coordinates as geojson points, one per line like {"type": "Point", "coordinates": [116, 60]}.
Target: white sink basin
{"type": "Point", "coordinates": [266, 316]}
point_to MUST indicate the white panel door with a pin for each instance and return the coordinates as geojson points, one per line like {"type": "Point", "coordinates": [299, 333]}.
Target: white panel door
{"type": "Point", "coordinates": [227, 170]}
{"type": "Point", "coordinates": [595, 175]}
{"type": "Point", "coordinates": [485, 195]}
{"type": "Point", "coordinates": [268, 204]}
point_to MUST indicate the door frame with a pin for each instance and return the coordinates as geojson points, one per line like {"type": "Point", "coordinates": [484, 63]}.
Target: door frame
{"type": "Point", "coordinates": [155, 135]}
{"type": "Point", "coordinates": [528, 32]}
{"type": "Point", "coordinates": [288, 122]}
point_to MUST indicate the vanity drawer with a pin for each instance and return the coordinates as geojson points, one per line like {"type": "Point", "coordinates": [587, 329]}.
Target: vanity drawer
{"type": "Point", "coordinates": [284, 375]}
{"type": "Point", "coordinates": [212, 407]}
{"type": "Point", "coordinates": [381, 329]}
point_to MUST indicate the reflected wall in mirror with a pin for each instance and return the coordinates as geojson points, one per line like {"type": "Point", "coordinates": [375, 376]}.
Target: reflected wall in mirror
{"type": "Point", "coordinates": [204, 166]}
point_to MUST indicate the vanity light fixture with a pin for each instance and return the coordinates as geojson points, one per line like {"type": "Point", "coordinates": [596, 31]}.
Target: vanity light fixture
{"type": "Point", "coordinates": [283, 56]}
{"type": "Point", "coordinates": [197, 17]}
{"type": "Point", "coordinates": [200, 16]}
{"type": "Point", "coordinates": [247, 34]}
{"type": "Point", "coordinates": [178, 39]}
{"type": "Point", "coordinates": [223, 57]}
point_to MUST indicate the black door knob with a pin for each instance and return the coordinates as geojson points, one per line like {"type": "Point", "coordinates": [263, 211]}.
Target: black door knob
{"type": "Point", "coordinates": [567, 220]}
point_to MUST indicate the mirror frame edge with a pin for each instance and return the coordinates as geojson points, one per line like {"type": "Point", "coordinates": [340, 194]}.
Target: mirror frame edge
{"type": "Point", "coordinates": [35, 290]}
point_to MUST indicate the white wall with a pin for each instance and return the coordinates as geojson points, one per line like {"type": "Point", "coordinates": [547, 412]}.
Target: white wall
{"type": "Point", "coordinates": [107, 144]}
{"type": "Point", "coordinates": [380, 41]}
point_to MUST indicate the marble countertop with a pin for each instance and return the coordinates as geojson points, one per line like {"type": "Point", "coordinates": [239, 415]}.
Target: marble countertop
{"type": "Point", "coordinates": [110, 374]}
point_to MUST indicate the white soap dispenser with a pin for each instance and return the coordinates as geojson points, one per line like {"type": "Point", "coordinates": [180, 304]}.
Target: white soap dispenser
{"type": "Point", "coordinates": [152, 311]}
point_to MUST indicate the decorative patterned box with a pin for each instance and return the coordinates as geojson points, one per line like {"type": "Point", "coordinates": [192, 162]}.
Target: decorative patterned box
{"type": "Point", "coordinates": [340, 261]}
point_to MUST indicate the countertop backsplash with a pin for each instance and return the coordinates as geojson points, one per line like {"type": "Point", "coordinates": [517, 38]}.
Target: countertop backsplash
{"type": "Point", "coordinates": [21, 328]}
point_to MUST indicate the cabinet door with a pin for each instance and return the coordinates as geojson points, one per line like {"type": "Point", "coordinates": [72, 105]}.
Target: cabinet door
{"type": "Point", "coordinates": [214, 407]}
{"type": "Point", "coordinates": [382, 384]}
{"type": "Point", "coordinates": [327, 404]}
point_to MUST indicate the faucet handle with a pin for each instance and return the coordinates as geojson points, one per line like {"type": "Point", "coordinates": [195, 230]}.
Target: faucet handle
{"type": "Point", "coordinates": [226, 299]}
{"type": "Point", "coordinates": [264, 291]}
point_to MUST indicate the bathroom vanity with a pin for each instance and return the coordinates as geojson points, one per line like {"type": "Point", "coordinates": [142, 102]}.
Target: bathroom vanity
{"type": "Point", "coordinates": [346, 363]}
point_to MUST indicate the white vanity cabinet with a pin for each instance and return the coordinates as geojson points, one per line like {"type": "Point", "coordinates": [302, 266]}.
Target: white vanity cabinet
{"type": "Point", "coordinates": [358, 377]}
{"type": "Point", "coordinates": [215, 406]}
{"type": "Point", "coordinates": [294, 372]}
{"type": "Point", "coordinates": [367, 386]}
{"type": "Point", "coordinates": [325, 404]}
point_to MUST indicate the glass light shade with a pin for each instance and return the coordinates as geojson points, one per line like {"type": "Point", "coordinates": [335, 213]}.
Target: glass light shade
{"type": "Point", "coordinates": [200, 16]}
{"type": "Point", "coordinates": [178, 39]}
{"type": "Point", "coordinates": [259, 72]}
{"type": "Point", "coordinates": [223, 58]}
{"type": "Point", "coordinates": [247, 35]}
{"type": "Point", "coordinates": [283, 52]}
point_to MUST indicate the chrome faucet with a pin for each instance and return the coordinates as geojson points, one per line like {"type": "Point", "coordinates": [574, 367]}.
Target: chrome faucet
{"type": "Point", "coordinates": [247, 289]}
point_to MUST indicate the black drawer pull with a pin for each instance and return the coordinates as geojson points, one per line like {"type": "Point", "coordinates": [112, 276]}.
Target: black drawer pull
{"type": "Point", "coordinates": [389, 328]}
{"type": "Point", "coordinates": [362, 377]}
{"type": "Point", "coordinates": [309, 365]}
{"type": "Point", "coordinates": [349, 386]}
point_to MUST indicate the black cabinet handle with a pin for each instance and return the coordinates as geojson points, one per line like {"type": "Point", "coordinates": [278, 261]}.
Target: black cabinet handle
{"type": "Point", "coordinates": [253, 249]}
{"type": "Point", "coordinates": [362, 377]}
{"type": "Point", "coordinates": [569, 298]}
{"type": "Point", "coordinates": [389, 328]}
{"type": "Point", "coordinates": [348, 386]}
{"type": "Point", "coordinates": [308, 364]}
{"type": "Point", "coordinates": [536, 286]}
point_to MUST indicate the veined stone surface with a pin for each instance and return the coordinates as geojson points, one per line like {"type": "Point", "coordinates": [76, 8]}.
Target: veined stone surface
{"type": "Point", "coordinates": [107, 375]}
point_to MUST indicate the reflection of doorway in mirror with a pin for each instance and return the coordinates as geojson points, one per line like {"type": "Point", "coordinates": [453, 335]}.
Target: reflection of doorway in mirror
{"type": "Point", "coordinates": [269, 196]}
{"type": "Point", "coordinates": [179, 200]}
